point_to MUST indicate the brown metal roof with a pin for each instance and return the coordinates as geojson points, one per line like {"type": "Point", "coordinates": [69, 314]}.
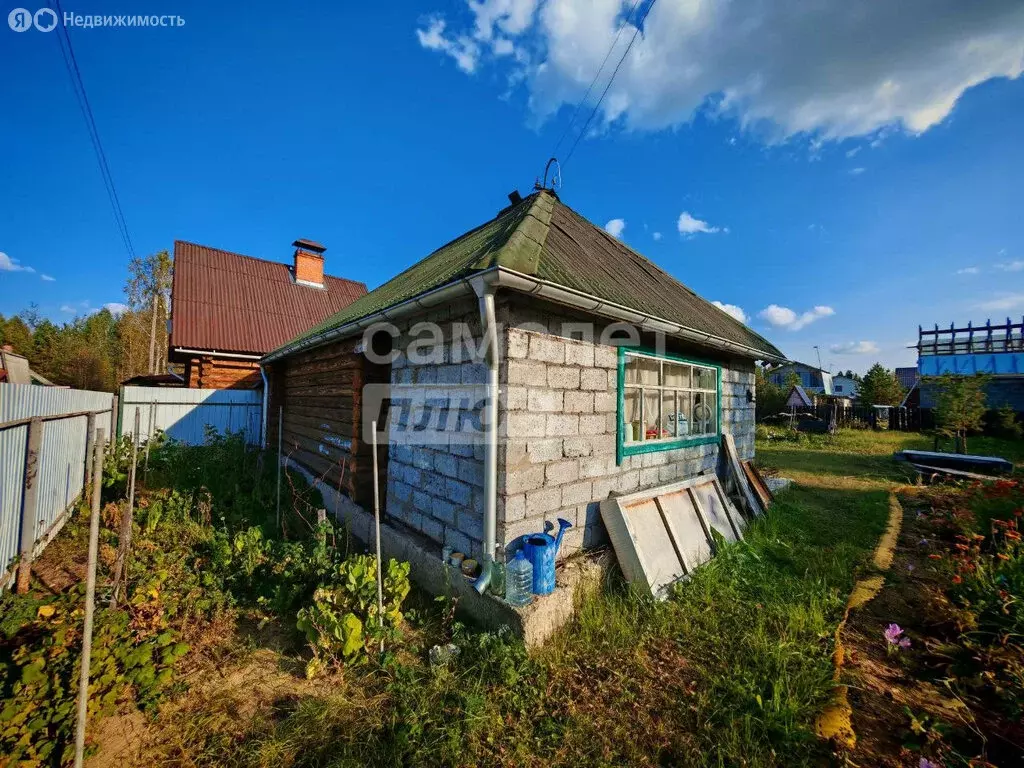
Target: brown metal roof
{"type": "Point", "coordinates": [228, 302]}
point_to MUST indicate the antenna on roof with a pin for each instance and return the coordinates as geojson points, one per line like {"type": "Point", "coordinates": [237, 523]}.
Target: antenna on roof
{"type": "Point", "coordinates": [556, 180]}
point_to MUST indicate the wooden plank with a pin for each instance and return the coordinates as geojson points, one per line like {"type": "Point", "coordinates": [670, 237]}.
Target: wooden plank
{"type": "Point", "coordinates": [739, 478]}
{"type": "Point", "coordinates": [764, 493]}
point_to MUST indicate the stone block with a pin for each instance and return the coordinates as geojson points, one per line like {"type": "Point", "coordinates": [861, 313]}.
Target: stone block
{"type": "Point", "coordinates": [526, 372]}
{"type": "Point", "coordinates": [402, 491]}
{"type": "Point", "coordinates": [432, 528]}
{"type": "Point", "coordinates": [579, 402]}
{"type": "Point", "coordinates": [606, 402]}
{"type": "Point", "coordinates": [577, 493]}
{"type": "Point", "coordinates": [547, 349]}
{"type": "Point", "coordinates": [514, 398]}
{"type": "Point", "coordinates": [524, 479]}
{"type": "Point", "coordinates": [606, 357]}
{"type": "Point", "coordinates": [542, 501]}
{"type": "Point", "coordinates": [471, 471]}
{"type": "Point", "coordinates": [562, 425]}
{"type": "Point", "coordinates": [458, 492]}
{"type": "Point", "coordinates": [594, 379]}
{"type": "Point", "coordinates": [526, 424]}
{"type": "Point", "coordinates": [596, 466]}
{"type": "Point", "coordinates": [446, 464]}
{"type": "Point", "coordinates": [544, 400]}
{"type": "Point", "coordinates": [579, 353]}
{"type": "Point", "coordinates": [444, 511]}
{"type": "Point", "coordinates": [562, 377]}
{"type": "Point", "coordinates": [541, 451]}
{"type": "Point", "coordinates": [560, 472]}
{"type": "Point", "coordinates": [515, 507]}
{"type": "Point", "coordinates": [576, 447]}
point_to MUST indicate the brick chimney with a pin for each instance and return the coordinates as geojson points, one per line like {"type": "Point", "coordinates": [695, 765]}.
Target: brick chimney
{"type": "Point", "coordinates": [309, 263]}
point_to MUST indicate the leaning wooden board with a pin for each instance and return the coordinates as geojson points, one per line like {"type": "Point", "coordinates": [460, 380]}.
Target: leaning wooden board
{"type": "Point", "coordinates": [764, 493]}
{"type": "Point", "coordinates": [732, 463]}
{"type": "Point", "coordinates": [662, 534]}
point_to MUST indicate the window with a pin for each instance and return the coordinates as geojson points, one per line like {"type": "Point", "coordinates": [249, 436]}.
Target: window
{"type": "Point", "coordinates": [665, 403]}
{"type": "Point", "coordinates": [839, 387]}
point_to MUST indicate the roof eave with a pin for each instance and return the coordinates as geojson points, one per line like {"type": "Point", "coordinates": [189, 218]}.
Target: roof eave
{"type": "Point", "coordinates": [502, 277]}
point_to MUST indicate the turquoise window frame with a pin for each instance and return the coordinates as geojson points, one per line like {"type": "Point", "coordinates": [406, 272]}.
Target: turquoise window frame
{"type": "Point", "coordinates": [622, 450]}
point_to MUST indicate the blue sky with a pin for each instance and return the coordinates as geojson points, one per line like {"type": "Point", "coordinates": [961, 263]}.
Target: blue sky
{"type": "Point", "coordinates": [838, 176]}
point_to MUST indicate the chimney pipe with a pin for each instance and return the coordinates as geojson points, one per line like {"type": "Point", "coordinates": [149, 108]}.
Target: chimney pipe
{"type": "Point", "coordinates": [309, 263]}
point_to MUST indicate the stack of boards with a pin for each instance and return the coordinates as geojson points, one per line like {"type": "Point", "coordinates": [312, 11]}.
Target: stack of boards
{"type": "Point", "coordinates": [663, 534]}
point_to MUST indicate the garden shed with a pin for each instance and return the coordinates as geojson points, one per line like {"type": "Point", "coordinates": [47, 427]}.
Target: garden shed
{"type": "Point", "coordinates": [611, 375]}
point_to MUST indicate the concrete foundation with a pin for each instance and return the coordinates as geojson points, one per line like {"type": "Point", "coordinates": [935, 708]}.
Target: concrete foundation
{"type": "Point", "coordinates": [576, 579]}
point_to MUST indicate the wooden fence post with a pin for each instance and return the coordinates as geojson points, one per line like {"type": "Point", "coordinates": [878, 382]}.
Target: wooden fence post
{"type": "Point", "coordinates": [125, 534]}
{"type": "Point", "coordinates": [30, 503]}
{"type": "Point", "coordinates": [90, 599]}
{"type": "Point", "coordinates": [90, 436]}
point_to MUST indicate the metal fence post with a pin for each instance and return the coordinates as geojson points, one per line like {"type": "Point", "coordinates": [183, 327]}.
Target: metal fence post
{"type": "Point", "coordinates": [90, 598]}
{"type": "Point", "coordinates": [30, 502]}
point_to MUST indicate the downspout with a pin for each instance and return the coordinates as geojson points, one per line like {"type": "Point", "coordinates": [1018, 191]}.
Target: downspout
{"type": "Point", "coordinates": [485, 292]}
{"type": "Point", "coordinates": [266, 395]}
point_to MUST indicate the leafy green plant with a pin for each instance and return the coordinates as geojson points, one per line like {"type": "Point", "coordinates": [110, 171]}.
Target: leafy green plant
{"type": "Point", "coordinates": [344, 614]}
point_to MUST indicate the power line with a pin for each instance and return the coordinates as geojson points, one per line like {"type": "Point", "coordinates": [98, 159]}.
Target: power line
{"type": "Point", "coordinates": [638, 26]}
{"type": "Point", "coordinates": [71, 65]}
{"type": "Point", "coordinates": [579, 106]}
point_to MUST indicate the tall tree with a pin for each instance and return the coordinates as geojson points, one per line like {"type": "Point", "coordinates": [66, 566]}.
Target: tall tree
{"type": "Point", "coordinates": [18, 335]}
{"type": "Point", "coordinates": [770, 398]}
{"type": "Point", "coordinates": [149, 282]}
{"type": "Point", "coordinates": [880, 387]}
{"type": "Point", "coordinates": [960, 406]}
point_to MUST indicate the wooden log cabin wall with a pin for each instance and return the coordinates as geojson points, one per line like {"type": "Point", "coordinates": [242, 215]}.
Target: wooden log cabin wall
{"type": "Point", "coordinates": [222, 373]}
{"type": "Point", "coordinates": [320, 392]}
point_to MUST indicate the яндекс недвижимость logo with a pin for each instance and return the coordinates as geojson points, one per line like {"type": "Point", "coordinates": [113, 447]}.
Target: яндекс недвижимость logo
{"type": "Point", "coordinates": [22, 20]}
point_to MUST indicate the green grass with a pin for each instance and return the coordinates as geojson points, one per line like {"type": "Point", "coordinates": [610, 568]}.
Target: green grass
{"type": "Point", "coordinates": [732, 670]}
{"type": "Point", "coordinates": [864, 457]}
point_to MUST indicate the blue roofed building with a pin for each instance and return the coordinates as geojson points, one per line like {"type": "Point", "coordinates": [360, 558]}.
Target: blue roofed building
{"type": "Point", "coordinates": [994, 350]}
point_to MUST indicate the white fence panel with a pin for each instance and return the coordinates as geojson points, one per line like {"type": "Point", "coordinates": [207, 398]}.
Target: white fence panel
{"type": "Point", "coordinates": [184, 414]}
{"type": "Point", "coordinates": [61, 475]}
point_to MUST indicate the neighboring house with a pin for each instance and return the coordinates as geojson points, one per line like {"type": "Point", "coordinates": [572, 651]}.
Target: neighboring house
{"type": "Point", "coordinates": [994, 350]}
{"type": "Point", "coordinates": [844, 386]}
{"type": "Point", "coordinates": [798, 398]}
{"type": "Point", "coordinates": [228, 310]}
{"type": "Point", "coordinates": [587, 407]}
{"type": "Point", "coordinates": [14, 369]}
{"type": "Point", "coordinates": [813, 380]}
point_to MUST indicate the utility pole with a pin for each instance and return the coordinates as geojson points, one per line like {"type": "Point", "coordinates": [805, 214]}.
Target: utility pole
{"type": "Point", "coordinates": [818, 351]}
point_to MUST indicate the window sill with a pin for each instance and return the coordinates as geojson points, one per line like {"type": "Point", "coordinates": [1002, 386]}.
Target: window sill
{"type": "Point", "coordinates": [633, 449]}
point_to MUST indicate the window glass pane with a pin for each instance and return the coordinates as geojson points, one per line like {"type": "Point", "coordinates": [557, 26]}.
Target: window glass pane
{"type": "Point", "coordinates": [632, 370]}
{"type": "Point", "coordinates": [677, 375]}
{"type": "Point", "coordinates": [704, 414]}
{"type": "Point", "coordinates": [682, 415]}
{"type": "Point", "coordinates": [649, 370]}
{"type": "Point", "coordinates": [668, 410]}
{"type": "Point", "coordinates": [705, 378]}
{"type": "Point", "coordinates": [652, 416]}
{"type": "Point", "coordinates": [631, 416]}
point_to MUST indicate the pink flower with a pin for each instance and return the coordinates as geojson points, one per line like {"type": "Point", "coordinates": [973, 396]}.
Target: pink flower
{"type": "Point", "coordinates": [894, 636]}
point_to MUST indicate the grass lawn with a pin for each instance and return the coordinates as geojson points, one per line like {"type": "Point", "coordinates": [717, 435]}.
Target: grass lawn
{"type": "Point", "coordinates": [732, 670]}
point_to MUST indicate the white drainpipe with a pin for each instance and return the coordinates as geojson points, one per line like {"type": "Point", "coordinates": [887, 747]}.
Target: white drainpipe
{"type": "Point", "coordinates": [266, 394]}
{"type": "Point", "coordinates": [485, 292]}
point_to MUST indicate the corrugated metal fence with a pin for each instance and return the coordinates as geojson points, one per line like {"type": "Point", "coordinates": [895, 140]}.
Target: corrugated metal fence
{"type": "Point", "coordinates": [61, 459]}
{"type": "Point", "coordinates": [185, 414]}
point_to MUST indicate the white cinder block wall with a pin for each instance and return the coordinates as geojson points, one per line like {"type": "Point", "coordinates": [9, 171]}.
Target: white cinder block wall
{"type": "Point", "coordinates": [557, 456]}
{"type": "Point", "coordinates": [557, 431]}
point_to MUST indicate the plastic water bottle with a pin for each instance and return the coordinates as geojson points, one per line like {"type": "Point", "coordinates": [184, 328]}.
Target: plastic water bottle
{"type": "Point", "coordinates": [519, 580]}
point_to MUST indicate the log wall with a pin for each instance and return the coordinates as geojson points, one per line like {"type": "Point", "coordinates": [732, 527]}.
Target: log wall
{"type": "Point", "coordinates": [210, 372]}
{"type": "Point", "coordinates": [320, 392]}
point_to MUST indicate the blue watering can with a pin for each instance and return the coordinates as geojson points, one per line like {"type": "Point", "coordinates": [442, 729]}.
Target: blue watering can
{"type": "Point", "coordinates": [541, 550]}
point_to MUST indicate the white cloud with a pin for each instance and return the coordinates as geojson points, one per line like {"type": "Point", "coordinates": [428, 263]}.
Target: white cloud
{"type": "Point", "coordinates": [7, 264]}
{"type": "Point", "coordinates": [967, 271]}
{"type": "Point", "coordinates": [1011, 266]}
{"type": "Point", "coordinates": [615, 227]}
{"type": "Point", "coordinates": [784, 317]}
{"type": "Point", "coordinates": [855, 348]}
{"type": "Point", "coordinates": [1004, 303]}
{"type": "Point", "coordinates": [853, 152]}
{"type": "Point", "coordinates": [463, 49]}
{"type": "Point", "coordinates": [656, 235]}
{"type": "Point", "coordinates": [690, 225]}
{"type": "Point", "coordinates": [732, 309]}
{"type": "Point", "coordinates": [115, 308]}
{"type": "Point", "coordinates": [69, 309]}
{"type": "Point", "coordinates": [781, 69]}
{"type": "Point", "coordinates": [47, 278]}
{"type": "Point", "coordinates": [856, 171]}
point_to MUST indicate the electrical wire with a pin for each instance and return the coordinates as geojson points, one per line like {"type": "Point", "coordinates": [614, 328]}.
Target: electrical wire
{"type": "Point", "coordinates": [638, 26]}
{"type": "Point", "coordinates": [74, 73]}
{"type": "Point", "coordinates": [579, 106]}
